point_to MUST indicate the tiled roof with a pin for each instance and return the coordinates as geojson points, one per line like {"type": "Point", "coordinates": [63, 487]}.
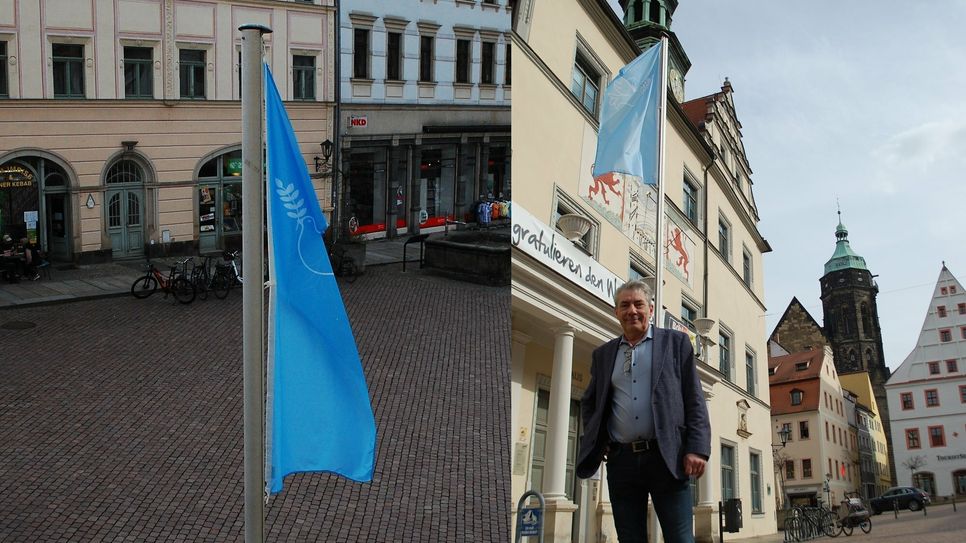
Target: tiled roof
{"type": "Point", "coordinates": [796, 371]}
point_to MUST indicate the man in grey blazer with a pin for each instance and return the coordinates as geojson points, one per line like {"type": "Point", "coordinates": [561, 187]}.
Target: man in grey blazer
{"type": "Point", "coordinates": [644, 414]}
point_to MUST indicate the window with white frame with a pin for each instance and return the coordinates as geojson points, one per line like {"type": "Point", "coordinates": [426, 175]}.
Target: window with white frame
{"type": "Point", "coordinates": [191, 64]}
{"type": "Point", "coordinates": [754, 468]}
{"type": "Point", "coordinates": [724, 353]}
{"type": "Point", "coordinates": [566, 205]}
{"type": "Point", "coordinates": [724, 239]}
{"type": "Point", "coordinates": [487, 63]}
{"type": "Point", "coordinates": [138, 72]}
{"type": "Point", "coordinates": [303, 77]}
{"type": "Point", "coordinates": [690, 201]}
{"type": "Point", "coordinates": [360, 53]}
{"type": "Point", "coordinates": [751, 377]}
{"type": "Point", "coordinates": [464, 49]}
{"type": "Point", "coordinates": [4, 83]}
{"type": "Point", "coordinates": [68, 70]}
{"type": "Point", "coordinates": [585, 81]}
{"type": "Point", "coordinates": [728, 469]}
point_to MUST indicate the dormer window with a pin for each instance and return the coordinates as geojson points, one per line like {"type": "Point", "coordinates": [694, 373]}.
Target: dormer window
{"type": "Point", "coordinates": [771, 371]}
{"type": "Point", "coordinates": [802, 366]}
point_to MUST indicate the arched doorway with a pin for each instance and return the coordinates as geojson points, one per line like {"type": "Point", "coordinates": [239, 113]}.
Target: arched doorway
{"type": "Point", "coordinates": [220, 202]}
{"type": "Point", "coordinates": [124, 202]}
{"type": "Point", "coordinates": [35, 202]}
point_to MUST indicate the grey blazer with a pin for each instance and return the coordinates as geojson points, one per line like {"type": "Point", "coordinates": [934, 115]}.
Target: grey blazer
{"type": "Point", "coordinates": [680, 414]}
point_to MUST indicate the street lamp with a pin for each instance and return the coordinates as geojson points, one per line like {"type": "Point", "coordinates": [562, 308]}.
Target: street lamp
{"type": "Point", "coordinates": [703, 327]}
{"type": "Point", "coordinates": [783, 435]}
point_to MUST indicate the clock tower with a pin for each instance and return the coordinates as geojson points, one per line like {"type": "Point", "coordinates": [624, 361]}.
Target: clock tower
{"type": "Point", "coordinates": [647, 21]}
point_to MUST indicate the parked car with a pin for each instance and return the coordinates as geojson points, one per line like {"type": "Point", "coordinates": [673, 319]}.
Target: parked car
{"type": "Point", "coordinates": [908, 497]}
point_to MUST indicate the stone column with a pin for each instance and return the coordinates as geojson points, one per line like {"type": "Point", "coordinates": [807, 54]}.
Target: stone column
{"type": "Point", "coordinates": [560, 510]}
{"type": "Point", "coordinates": [705, 518]}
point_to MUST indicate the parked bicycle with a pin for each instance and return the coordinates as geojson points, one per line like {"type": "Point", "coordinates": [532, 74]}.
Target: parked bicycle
{"type": "Point", "coordinates": [232, 268]}
{"type": "Point", "coordinates": [807, 523]}
{"type": "Point", "coordinates": [204, 280]}
{"type": "Point", "coordinates": [176, 283]}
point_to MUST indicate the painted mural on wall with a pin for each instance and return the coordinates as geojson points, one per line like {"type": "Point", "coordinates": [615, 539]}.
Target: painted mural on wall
{"type": "Point", "coordinates": [679, 248]}
{"type": "Point", "coordinates": [627, 203]}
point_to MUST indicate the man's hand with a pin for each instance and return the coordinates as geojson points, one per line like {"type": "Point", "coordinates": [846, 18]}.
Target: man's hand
{"type": "Point", "coordinates": [694, 465]}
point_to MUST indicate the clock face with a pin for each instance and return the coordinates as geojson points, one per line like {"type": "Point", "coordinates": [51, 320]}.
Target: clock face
{"type": "Point", "coordinates": [677, 85]}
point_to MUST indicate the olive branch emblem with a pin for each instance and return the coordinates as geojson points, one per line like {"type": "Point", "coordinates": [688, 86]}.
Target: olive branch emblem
{"type": "Point", "coordinates": [295, 206]}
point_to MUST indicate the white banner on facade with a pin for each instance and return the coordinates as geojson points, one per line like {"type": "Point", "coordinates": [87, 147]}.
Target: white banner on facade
{"type": "Point", "coordinates": [558, 253]}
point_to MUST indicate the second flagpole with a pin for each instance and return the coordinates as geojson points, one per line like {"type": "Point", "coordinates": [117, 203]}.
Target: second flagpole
{"type": "Point", "coordinates": [253, 301]}
{"type": "Point", "coordinates": [660, 234]}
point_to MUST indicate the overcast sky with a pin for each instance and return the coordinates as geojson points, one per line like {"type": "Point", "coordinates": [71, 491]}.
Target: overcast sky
{"type": "Point", "coordinates": [859, 101]}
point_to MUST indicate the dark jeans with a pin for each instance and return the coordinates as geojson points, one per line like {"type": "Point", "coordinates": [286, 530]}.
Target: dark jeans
{"type": "Point", "coordinates": [631, 477]}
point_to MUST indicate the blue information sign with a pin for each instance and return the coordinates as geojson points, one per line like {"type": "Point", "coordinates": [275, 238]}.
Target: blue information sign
{"type": "Point", "coordinates": [531, 521]}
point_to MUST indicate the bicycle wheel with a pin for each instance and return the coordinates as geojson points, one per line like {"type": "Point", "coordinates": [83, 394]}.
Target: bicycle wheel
{"type": "Point", "coordinates": [846, 528]}
{"type": "Point", "coordinates": [828, 524]}
{"type": "Point", "coordinates": [144, 286]}
{"type": "Point", "coordinates": [183, 290]}
{"type": "Point", "coordinates": [866, 526]}
{"type": "Point", "coordinates": [201, 285]}
{"type": "Point", "coordinates": [221, 285]}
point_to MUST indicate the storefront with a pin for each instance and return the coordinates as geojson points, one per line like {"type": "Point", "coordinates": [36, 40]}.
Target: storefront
{"type": "Point", "coordinates": [392, 186]}
{"type": "Point", "coordinates": [34, 204]}
{"type": "Point", "coordinates": [219, 196]}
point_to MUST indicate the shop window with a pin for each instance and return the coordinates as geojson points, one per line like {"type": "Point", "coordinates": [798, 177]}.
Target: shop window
{"type": "Point", "coordinates": [360, 53]}
{"type": "Point", "coordinates": [497, 181]}
{"type": "Point", "coordinates": [4, 84]}
{"type": "Point", "coordinates": [138, 70]}
{"type": "Point", "coordinates": [68, 70]}
{"type": "Point", "coordinates": [932, 397]}
{"type": "Point", "coordinates": [585, 83]}
{"type": "Point", "coordinates": [303, 77]}
{"type": "Point", "coordinates": [394, 56]}
{"type": "Point", "coordinates": [426, 58]}
{"type": "Point", "coordinates": [937, 436]}
{"type": "Point", "coordinates": [487, 62]}
{"type": "Point", "coordinates": [192, 73]}
{"type": "Point", "coordinates": [220, 198]}
{"type": "Point", "coordinates": [463, 61]}
{"type": "Point", "coordinates": [724, 239]}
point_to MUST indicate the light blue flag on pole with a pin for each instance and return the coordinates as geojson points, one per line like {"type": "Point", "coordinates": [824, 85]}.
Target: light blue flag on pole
{"type": "Point", "coordinates": [321, 418]}
{"type": "Point", "coordinates": [627, 140]}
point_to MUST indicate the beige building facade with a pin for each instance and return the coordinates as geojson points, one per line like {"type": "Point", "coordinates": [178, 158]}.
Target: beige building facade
{"type": "Point", "coordinates": [565, 53]}
{"type": "Point", "coordinates": [120, 120]}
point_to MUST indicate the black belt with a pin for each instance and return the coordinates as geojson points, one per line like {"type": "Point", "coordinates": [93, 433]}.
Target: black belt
{"type": "Point", "coordinates": [645, 445]}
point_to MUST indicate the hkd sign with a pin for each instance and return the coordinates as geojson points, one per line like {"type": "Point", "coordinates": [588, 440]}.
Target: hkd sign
{"type": "Point", "coordinates": [358, 122]}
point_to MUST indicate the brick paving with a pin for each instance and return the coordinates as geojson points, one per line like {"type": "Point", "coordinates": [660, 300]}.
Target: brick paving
{"type": "Point", "coordinates": [940, 525]}
{"type": "Point", "coordinates": [120, 420]}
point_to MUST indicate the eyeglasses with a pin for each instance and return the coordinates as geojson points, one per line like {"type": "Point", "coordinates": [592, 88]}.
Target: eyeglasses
{"type": "Point", "coordinates": [628, 356]}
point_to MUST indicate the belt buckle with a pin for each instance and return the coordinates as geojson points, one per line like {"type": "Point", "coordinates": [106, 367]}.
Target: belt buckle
{"type": "Point", "coordinates": [640, 446]}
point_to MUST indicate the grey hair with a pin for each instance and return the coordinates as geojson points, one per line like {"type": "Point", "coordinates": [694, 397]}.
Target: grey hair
{"type": "Point", "coordinates": [635, 284]}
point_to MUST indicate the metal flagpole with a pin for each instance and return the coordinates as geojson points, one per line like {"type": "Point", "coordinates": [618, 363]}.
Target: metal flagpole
{"type": "Point", "coordinates": [659, 256]}
{"type": "Point", "coordinates": [253, 206]}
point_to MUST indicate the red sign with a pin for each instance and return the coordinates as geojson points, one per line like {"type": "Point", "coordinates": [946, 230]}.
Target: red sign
{"type": "Point", "coordinates": [358, 122]}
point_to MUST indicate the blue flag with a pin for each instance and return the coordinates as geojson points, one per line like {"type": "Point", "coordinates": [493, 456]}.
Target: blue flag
{"type": "Point", "coordinates": [627, 140]}
{"type": "Point", "coordinates": [321, 418]}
